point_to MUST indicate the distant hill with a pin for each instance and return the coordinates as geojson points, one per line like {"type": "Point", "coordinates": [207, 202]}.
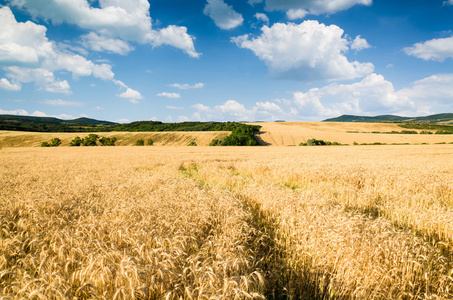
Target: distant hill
{"type": "Point", "coordinates": [79, 121]}
{"type": "Point", "coordinates": [45, 124]}
{"type": "Point", "coordinates": [88, 121]}
{"type": "Point", "coordinates": [432, 119]}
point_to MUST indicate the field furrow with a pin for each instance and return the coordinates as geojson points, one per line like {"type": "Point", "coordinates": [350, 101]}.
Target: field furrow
{"type": "Point", "coordinates": [342, 254]}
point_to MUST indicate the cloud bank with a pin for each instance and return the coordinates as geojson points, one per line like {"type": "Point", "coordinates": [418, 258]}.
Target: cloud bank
{"type": "Point", "coordinates": [372, 95]}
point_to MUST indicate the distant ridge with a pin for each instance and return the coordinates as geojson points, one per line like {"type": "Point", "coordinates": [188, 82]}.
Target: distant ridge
{"type": "Point", "coordinates": [432, 119]}
{"type": "Point", "coordinates": [79, 121]}
{"type": "Point", "coordinates": [49, 124]}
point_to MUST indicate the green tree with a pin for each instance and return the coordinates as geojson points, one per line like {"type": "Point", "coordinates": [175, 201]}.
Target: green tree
{"type": "Point", "coordinates": [315, 142]}
{"type": "Point", "coordinates": [242, 135]}
{"type": "Point", "coordinates": [107, 141]}
{"type": "Point", "coordinates": [215, 142]}
{"type": "Point", "coordinates": [140, 142]}
{"type": "Point", "coordinates": [90, 140]}
{"type": "Point", "coordinates": [192, 143]}
{"type": "Point", "coordinates": [77, 141]}
{"type": "Point", "coordinates": [55, 142]}
{"type": "Point", "coordinates": [149, 142]}
{"type": "Point", "coordinates": [45, 144]}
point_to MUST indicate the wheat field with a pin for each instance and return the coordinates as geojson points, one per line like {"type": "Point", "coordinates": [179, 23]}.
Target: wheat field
{"type": "Point", "coordinates": [178, 138]}
{"type": "Point", "coordinates": [271, 134]}
{"type": "Point", "coordinates": [227, 222]}
{"type": "Point", "coordinates": [293, 133]}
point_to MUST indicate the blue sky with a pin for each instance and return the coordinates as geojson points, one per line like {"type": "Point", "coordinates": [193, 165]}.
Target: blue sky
{"type": "Point", "coordinates": [225, 60]}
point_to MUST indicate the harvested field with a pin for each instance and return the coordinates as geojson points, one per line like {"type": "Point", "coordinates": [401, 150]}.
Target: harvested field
{"type": "Point", "coordinates": [271, 134]}
{"type": "Point", "coordinates": [294, 133]}
{"type": "Point", "coordinates": [227, 222]}
{"type": "Point", "coordinates": [180, 138]}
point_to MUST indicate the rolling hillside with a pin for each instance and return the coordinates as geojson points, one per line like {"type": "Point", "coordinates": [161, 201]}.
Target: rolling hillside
{"type": "Point", "coordinates": [293, 133]}
{"type": "Point", "coordinates": [271, 134]}
{"type": "Point", "coordinates": [34, 139]}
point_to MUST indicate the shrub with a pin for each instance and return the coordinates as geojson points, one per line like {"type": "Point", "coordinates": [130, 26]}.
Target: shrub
{"type": "Point", "coordinates": [77, 141]}
{"type": "Point", "coordinates": [217, 142]}
{"type": "Point", "coordinates": [192, 143]}
{"type": "Point", "coordinates": [315, 142]}
{"type": "Point", "coordinates": [140, 142]}
{"type": "Point", "coordinates": [55, 142]}
{"type": "Point", "coordinates": [108, 141]}
{"type": "Point", "coordinates": [149, 142]}
{"type": "Point", "coordinates": [409, 132]}
{"type": "Point", "coordinates": [90, 140]}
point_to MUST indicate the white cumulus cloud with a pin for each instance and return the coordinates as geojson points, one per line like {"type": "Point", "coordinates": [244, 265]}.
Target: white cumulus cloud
{"type": "Point", "coordinates": [224, 15]}
{"type": "Point", "coordinates": [373, 95]}
{"type": "Point", "coordinates": [131, 94]}
{"type": "Point", "coordinates": [17, 112]}
{"type": "Point", "coordinates": [186, 86]}
{"type": "Point", "coordinates": [306, 51]}
{"type": "Point", "coordinates": [359, 44]}
{"type": "Point", "coordinates": [267, 106]}
{"type": "Point", "coordinates": [27, 55]}
{"type": "Point", "coordinates": [8, 86]}
{"type": "Point", "coordinates": [201, 107]}
{"type": "Point", "coordinates": [128, 93]}
{"type": "Point", "coordinates": [60, 102]}
{"type": "Point", "coordinates": [169, 95]}
{"type": "Point", "coordinates": [434, 91]}
{"type": "Point", "coordinates": [43, 79]}
{"type": "Point", "coordinates": [294, 14]}
{"type": "Point", "coordinates": [436, 49]}
{"type": "Point", "coordinates": [37, 113]}
{"type": "Point", "coordinates": [177, 37]}
{"type": "Point", "coordinates": [22, 44]}
{"type": "Point", "coordinates": [128, 20]}
{"type": "Point", "coordinates": [234, 110]}
{"type": "Point", "coordinates": [262, 17]}
{"type": "Point", "coordinates": [100, 43]}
